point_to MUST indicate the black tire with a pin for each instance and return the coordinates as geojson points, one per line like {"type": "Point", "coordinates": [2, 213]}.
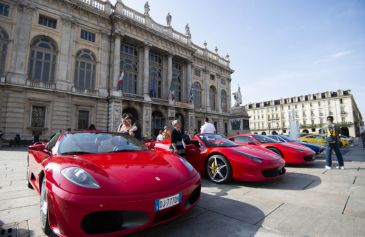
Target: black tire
{"type": "Point", "coordinates": [276, 151]}
{"type": "Point", "coordinates": [43, 209]}
{"type": "Point", "coordinates": [29, 185]}
{"type": "Point", "coordinates": [218, 169]}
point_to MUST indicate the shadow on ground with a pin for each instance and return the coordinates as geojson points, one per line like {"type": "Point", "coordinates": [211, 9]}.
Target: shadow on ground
{"type": "Point", "coordinates": [203, 221]}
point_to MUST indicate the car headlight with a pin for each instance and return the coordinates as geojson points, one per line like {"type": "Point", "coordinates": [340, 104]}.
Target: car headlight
{"type": "Point", "coordinates": [79, 177]}
{"type": "Point", "coordinates": [187, 164]}
{"type": "Point", "coordinates": [251, 157]}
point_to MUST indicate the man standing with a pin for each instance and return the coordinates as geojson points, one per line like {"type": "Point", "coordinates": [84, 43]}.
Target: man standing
{"type": "Point", "coordinates": [177, 135]}
{"type": "Point", "coordinates": [207, 127]}
{"type": "Point", "coordinates": [332, 143]}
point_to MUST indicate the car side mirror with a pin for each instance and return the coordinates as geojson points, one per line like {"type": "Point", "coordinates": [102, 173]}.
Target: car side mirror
{"type": "Point", "coordinates": [38, 146]}
{"type": "Point", "coordinates": [151, 145]}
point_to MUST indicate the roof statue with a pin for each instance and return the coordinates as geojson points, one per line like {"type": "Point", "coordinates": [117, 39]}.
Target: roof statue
{"type": "Point", "coordinates": [187, 31]}
{"type": "Point", "coordinates": [147, 8]}
{"type": "Point", "coordinates": [237, 97]}
{"type": "Point", "coordinates": [168, 19]}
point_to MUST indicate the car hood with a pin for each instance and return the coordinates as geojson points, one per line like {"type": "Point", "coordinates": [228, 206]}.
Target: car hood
{"type": "Point", "coordinates": [257, 151]}
{"type": "Point", "coordinates": [134, 172]}
{"type": "Point", "coordinates": [298, 146]}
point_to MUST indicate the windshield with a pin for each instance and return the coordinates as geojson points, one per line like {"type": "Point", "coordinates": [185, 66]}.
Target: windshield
{"type": "Point", "coordinates": [96, 143]}
{"type": "Point", "coordinates": [216, 140]}
{"type": "Point", "coordinates": [288, 139]}
{"type": "Point", "coordinates": [264, 139]}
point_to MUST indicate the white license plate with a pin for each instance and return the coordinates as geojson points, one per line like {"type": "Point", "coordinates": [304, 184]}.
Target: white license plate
{"type": "Point", "coordinates": [164, 203]}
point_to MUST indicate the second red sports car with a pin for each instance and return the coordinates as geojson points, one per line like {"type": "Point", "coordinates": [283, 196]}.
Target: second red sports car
{"type": "Point", "coordinates": [108, 184]}
{"type": "Point", "coordinates": [223, 160]}
{"type": "Point", "coordinates": [291, 153]}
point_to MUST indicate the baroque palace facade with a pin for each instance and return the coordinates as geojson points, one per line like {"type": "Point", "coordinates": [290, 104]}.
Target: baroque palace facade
{"type": "Point", "coordinates": [60, 62]}
{"type": "Point", "coordinates": [310, 113]}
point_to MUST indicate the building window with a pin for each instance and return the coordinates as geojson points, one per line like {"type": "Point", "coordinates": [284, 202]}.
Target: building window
{"type": "Point", "coordinates": [85, 70]}
{"type": "Point", "coordinates": [83, 121]}
{"type": "Point", "coordinates": [155, 84]}
{"type": "Point", "coordinates": [197, 72]}
{"type": "Point", "coordinates": [4, 40]}
{"type": "Point", "coordinates": [42, 60]}
{"type": "Point", "coordinates": [212, 77]}
{"type": "Point", "coordinates": [38, 116]}
{"type": "Point", "coordinates": [176, 84]}
{"type": "Point", "coordinates": [87, 35]}
{"type": "Point", "coordinates": [47, 21]}
{"type": "Point", "coordinates": [4, 9]}
{"type": "Point", "coordinates": [341, 101]}
{"type": "Point", "coordinates": [197, 95]}
{"type": "Point", "coordinates": [223, 81]}
{"type": "Point", "coordinates": [129, 68]}
{"type": "Point", "coordinates": [224, 101]}
{"type": "Point", "coordinates": [212, 98]}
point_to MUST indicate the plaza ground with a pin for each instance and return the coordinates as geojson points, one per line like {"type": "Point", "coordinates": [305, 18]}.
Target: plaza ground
{"type": "Point", "coordinates": [307, 201]}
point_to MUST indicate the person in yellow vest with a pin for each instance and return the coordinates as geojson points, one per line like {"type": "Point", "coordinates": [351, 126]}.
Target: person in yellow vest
{"type": "Point", "coordinates": [332, 132]}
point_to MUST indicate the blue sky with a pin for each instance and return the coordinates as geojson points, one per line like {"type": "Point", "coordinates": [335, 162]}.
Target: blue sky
{"type": "Point", "coordinates": [278, 48]}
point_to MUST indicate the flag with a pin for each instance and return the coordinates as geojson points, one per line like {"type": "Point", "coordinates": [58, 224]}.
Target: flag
{"type": "Point", "coordinates": [120, 80]}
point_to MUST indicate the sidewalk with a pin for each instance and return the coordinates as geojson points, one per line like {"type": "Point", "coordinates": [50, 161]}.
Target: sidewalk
{"type": "Point", "coordinates": [356, 153]}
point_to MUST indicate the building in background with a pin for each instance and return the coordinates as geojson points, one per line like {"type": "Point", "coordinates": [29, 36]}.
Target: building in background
{"type": "Point", "coordinates": [311, 112]}
{"type": "Point", "coordinates": [68, 64]}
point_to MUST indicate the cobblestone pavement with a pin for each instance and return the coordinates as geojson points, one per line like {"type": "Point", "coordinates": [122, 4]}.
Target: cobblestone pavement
{"type": "Point", "coordinates": [308, 201]}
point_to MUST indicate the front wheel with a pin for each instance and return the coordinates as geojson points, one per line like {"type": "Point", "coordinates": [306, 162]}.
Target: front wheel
{"type": "Point", "coordinates": [218, 169]}
{"type": "Point", "coordinates": [44, 209]}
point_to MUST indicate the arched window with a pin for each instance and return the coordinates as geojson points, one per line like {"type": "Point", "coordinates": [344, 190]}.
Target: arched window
{"type": "Point", "coordinates": [129, 65]}
{"type": "Point", "coordinates": [176, 80]}
{"type": "Point", "coordinates": [4, 39]}
{"type": "Point", "coordinates": [197, 95]}
{"type": "Point", "coordinates": [42, 60]}
{"type": "Point", "coordinates": [155, 83]}
{"type": "Point", "coordinates": [85, 70]}
{"type": "Point", "coordinates": [224, 101]}
{"type": "Point", "coordinates": [212, 98]}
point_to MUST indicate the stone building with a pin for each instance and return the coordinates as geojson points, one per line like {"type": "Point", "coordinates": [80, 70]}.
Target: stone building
{"type": "Point", "coordinates": [311, 113]}
{"type": "Point", "coordinates": [61, 62]}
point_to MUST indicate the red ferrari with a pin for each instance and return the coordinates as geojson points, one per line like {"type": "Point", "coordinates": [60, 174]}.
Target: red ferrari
{"type": "Point", "coordinates": [223, 160]}
{"type": "Point", "coordinates": [291, 153]}
{"type": "Point", "coordinates": [108, 184]}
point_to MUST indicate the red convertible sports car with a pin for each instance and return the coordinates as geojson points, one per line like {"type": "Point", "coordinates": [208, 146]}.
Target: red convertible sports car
{"type": "Point", "coordinates": [291, 153]}
{"type": "Point", "coordinates": [108, 184]}
{"type": "Point", "coordinates": [222, 160]}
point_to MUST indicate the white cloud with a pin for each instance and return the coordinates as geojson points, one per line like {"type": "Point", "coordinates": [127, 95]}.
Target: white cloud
{"type": "Point", "coordinates": [334, 56]}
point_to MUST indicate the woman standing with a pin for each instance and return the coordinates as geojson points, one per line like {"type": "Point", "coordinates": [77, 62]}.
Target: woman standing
{"type": "Point", "coordinates": [177, 139]}
{"type": "Point", "coordinates": [127, 126]}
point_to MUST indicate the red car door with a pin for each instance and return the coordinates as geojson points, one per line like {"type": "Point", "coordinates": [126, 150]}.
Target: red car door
{"type": "Point", "coordinates": [195, 155]}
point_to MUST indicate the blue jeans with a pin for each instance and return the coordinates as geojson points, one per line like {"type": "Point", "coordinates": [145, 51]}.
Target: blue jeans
{"type": "Point", "coordinates": [336, 148]}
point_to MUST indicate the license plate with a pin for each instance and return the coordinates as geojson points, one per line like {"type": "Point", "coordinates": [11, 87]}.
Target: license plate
{"type": "Point", "coordinates": [164, 203]}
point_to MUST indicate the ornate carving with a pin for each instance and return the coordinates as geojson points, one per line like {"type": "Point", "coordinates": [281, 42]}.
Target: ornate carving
{"type": "Point", "coordinates": [168, 19]}
{"type": "Point", "coordinates": [147, 8]}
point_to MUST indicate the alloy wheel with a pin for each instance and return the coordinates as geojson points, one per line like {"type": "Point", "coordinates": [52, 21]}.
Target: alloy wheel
{"type": "Point", "coordinates": [218, 169]}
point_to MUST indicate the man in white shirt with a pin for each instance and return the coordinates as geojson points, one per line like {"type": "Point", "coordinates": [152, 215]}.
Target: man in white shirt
{"type": "Point", "coordinates": [160, 136]}
{"type": "Point", "coordinates": [207, 127]}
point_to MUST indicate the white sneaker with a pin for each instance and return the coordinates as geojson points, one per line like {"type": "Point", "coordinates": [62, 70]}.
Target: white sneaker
{"type": "Point", "coordinates": [328, 167]}
{"type": "Point", "coordinates": [340, 167]}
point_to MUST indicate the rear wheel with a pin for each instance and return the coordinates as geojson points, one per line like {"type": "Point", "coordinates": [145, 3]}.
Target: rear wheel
{"type": "Point", "coordinates": [276, 151]}
{"type": "Point", "coordinates": [218, 169]}
{"type": "Point", "coordinates": [44, 209]}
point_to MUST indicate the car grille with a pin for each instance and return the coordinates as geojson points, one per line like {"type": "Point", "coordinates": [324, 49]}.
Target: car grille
{"type": "Point", "coordinates": [309, 158]}
{"type": "Point", "coordinates": [112, 221]}
{"type": "Point", "coordinates": [167, 214]}
{"type": "Point", "coordinates": [194, 196]}
{"type": "Point", "coordinates": [273, 172]}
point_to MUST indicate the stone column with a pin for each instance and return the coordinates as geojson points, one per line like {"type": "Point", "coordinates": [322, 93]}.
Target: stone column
{"type": "Point", "coordinates": [115, 113]}
{"type": "Point", "coordinates": [219, 96]}
{"type": "Point", "coordinates": [169, 72]}
{"type": "Point", "coordinates": [116, 59]}
{"type": "Point", "coordinates": [22, 40]}
{"type": "Point", "coordinates": [146, 118]}
{"type": "Point", "coordinates": [188, 79]}
{"type": "Point", "coordinates": [64, 77]}
{"type": "Point", "coordinates": [102, 77]}
{"type": "Point", "coordinates": [146, 72]}
{"type": "Point", "coordinates": [229, 95]}
{"type": "Point", "coordinates": [191, 125]}
{"type": "Point", "coordinates": [206, 89]}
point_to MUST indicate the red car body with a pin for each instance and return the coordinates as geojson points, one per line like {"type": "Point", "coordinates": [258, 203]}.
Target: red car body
{"type": "Point", "coordinates": [131, 186]}
{"type": "Point", "coordinates": [292, 153]}
{"type": "Point", "coordinates": [243, 168]}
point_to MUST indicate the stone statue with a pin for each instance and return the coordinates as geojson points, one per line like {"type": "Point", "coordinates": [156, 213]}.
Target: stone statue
{"type": "Point", "coordinates": [147, 8]}
{"type": "Point", "coordinates": [168, 19]}
{"type": "Point", "coordinates": [237, 97]}
{"type": "Point", "coordinates": [187, 31]}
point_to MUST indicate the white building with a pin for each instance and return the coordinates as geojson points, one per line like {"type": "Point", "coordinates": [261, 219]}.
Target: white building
{"type": "Point", "coordinates": [60, 61]}
{"type": "Point", "coordinates": [311, 112]}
